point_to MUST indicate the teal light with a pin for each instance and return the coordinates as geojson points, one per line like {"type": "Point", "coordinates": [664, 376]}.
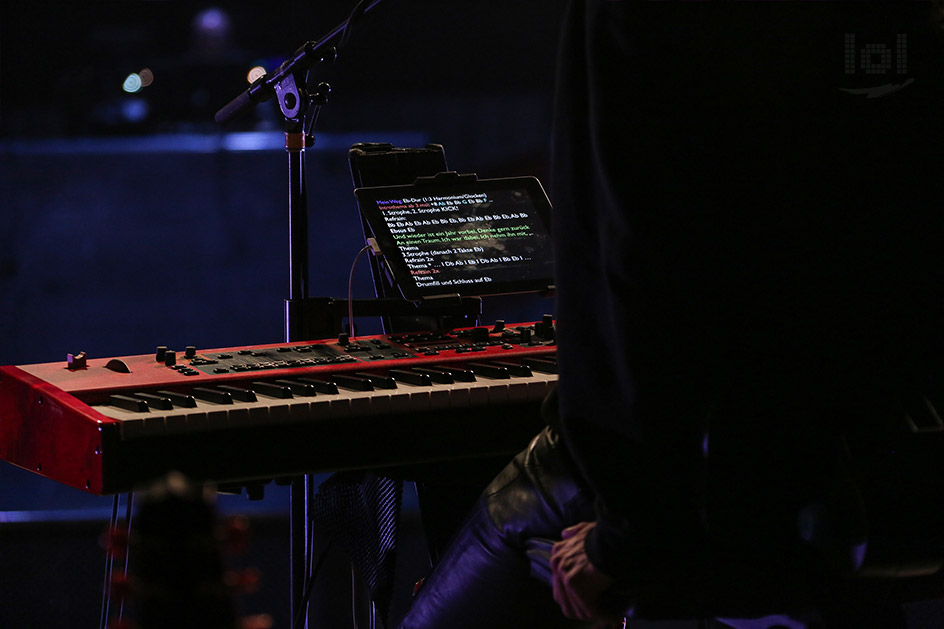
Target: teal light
{"type": "Point", "coordinates": [132, 83]}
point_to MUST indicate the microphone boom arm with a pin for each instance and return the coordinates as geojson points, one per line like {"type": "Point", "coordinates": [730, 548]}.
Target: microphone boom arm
{"type": "Point", "coordinates": [284, 81]}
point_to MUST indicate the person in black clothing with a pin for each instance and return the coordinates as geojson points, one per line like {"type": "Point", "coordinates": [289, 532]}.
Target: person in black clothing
{"type": "Point", "coordinates": [748, 266]}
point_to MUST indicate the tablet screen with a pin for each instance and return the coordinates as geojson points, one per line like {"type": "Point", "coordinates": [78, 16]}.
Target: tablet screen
{"type": "Point", "coordinates": [472, 238]}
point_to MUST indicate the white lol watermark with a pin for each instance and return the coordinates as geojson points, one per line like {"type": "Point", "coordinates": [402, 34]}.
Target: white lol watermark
{"type": "Point", "coordinates": [882, 61]}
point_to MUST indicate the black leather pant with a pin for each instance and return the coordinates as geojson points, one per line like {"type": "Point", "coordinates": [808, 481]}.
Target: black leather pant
{"type": "Point", "coordinates": [484, 579]}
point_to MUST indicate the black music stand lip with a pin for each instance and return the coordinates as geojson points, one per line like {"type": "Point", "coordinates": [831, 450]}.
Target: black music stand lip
{"type": "Point", "coordinates": [321, 317]}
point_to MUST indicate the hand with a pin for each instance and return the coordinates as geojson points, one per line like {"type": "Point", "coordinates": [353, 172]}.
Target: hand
{"type": "Point", "coordinates": [576, 582]}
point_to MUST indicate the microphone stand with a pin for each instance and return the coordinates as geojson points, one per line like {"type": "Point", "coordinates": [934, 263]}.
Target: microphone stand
{"type": "Point", "coordinates": [288, 84]}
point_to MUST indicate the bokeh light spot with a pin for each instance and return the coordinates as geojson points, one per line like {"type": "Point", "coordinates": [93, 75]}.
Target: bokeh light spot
{"type": "Point", "coordinates": [255, 73]}
{"type": "Point", "coordinates": [132, 83]}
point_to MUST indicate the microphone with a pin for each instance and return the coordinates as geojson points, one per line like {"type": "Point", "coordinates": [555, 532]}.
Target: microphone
{"type": "Point", "coordinates": [256, 93]}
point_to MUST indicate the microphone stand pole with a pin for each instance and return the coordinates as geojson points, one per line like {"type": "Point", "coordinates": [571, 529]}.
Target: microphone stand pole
{"type": "Point", "coordinates": [288, 83]}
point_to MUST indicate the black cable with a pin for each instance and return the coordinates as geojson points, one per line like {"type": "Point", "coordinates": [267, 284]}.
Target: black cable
{"type": "Point", "coordinates": [128, 514]}
{"type": "Point", "coordinates": [302, 612]}
{"type": "Point", "coordinates": [356, 13]}
{"type": "Point", "coordinates": [310, 548]}
{"type": "Point", "coordinates": [350, 293]}
{"type": "Point", "coordinates": [312, 118]}
{"type": "Point", "coordinates": [109, 563]}
{"type": "Point", "coordinates": [309, 557]}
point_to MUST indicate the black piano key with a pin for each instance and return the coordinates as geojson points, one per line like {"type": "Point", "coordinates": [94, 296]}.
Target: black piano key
{"type": "Point", "coordinates": [298, 388]}
{"type": "Point", "coordinates": [156, 401]}
{"type": "Point", "coordinates": [355, 383]}
{"type": "Point", "coordinates": [379, 382]}
{"type": "Point", "coordinates": [239, 393]}
{"type": "Point", "coordinates": [517, 370]}
{"type": "Point", "coordinates": [273, 389]}
{"type": "Point", "coordinates": [129, 403]}
{"type": "Point", "coordinates": [181, 400]}
{"type": "Point", "coordinates": [212, 395]}
{"type": "Point", "coordinates": [490, 371]}
{"type": "Point", "coordinates": [321, 386]}
{"type": "Point", "coordinates": [438, 376]}
{"type": "Point", "coordinates": [412, 377]}
{"type": "Point", "coordinates": [543, 365]}
{"type": "Point", "coordinates": [458, 374]}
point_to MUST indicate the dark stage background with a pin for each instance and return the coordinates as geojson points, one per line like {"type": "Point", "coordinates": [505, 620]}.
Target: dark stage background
{"type": "Point", "coordinates": [130, 219]}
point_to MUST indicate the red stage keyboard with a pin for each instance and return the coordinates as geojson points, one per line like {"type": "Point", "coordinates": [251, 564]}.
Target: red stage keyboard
{"type": "Point", "coordinates": [241, 414]}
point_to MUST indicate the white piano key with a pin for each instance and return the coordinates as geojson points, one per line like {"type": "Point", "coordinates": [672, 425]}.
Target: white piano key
{"type": "Point", "coordinates": [439, 397]}
{"type": "Point", "coordinates": [518, 390]}
{"type": "Point", "coordinates": [406, 398]}
{"type": "Point", "coordinates": [177, 423]}
{"type": "Point", "coordinates": [410, 398]}
{"type": "Point", "coordinates": [290, 410]}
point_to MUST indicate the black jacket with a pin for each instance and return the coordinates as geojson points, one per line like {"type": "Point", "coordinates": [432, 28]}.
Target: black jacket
{"type": "Point", "coordinates": [748, 227]}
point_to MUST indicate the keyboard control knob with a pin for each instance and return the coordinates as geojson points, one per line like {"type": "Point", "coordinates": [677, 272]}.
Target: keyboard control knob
{"type": "Point", "coordinates": [161, 352]}
{"type": "Point", "coordinates": [170, 358]}
{"type": "Point", "coordinates": [76, 361]}
{"type": "Point", "coordinates": [190, 351]}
